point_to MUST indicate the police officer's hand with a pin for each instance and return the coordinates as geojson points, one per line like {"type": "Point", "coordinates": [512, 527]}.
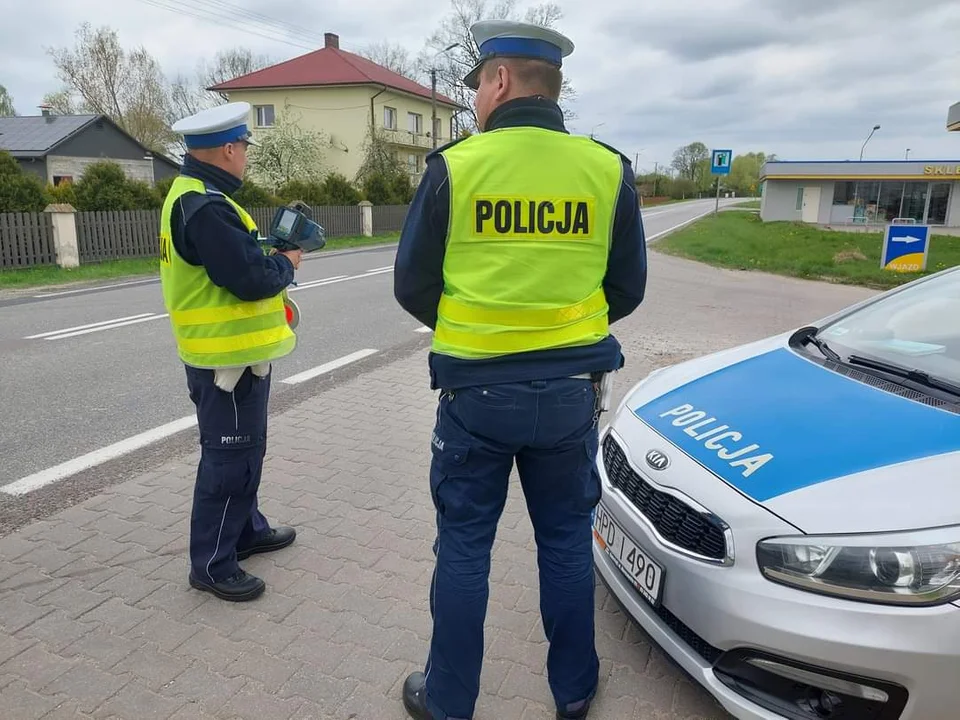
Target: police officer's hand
{"type": "Point", "coordinates": [293, 256]}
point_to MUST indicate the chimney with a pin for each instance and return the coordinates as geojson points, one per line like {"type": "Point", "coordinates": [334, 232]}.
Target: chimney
{"type": "Point", "coordinates": [331, 40]}
{"type": "Point", "coordinates": [45, 110]}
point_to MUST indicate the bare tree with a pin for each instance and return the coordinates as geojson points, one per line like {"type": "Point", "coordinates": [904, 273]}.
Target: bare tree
{"type": "Point", "coordinates": [454, 29]}
{"type": "Point", "coordinates": [394, 57]}
{"type": "Point", "coordinates": [128, 87]}
{"type": "Point", "coordinates": [688, 161]}
{"type": "Point", "coordinates": [62, 103]}
{"type": "Point", "coordinates": [6, 103]}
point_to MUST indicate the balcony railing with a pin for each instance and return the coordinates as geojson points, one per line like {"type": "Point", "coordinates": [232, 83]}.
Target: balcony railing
{"type": "Point", "coordinates": [410, 139]}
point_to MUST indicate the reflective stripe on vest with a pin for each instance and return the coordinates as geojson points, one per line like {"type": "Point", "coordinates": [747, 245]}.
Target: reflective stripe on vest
{"type": "Point", "coordinates": [213, 328]}
{"type": "Point", "coordinates": [531, 219]}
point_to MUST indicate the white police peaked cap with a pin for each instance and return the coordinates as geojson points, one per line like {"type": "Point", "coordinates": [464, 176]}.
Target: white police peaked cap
{"type": "Point", "coordinates": [216, 126]}
{"type": "Point", "coordinates": [507, 38]}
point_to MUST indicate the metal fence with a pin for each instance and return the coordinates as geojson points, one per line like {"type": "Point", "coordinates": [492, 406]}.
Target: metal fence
{"type": "Point", "coordinates": [26, 240]}
{"type": "Point", "coordinates": [114, 234]}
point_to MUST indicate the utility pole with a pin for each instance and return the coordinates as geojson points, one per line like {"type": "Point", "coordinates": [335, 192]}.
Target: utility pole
{"type": "Point", "coordinates": [433, 100]}
{"type": "Point", "coordinates": [655, 177]}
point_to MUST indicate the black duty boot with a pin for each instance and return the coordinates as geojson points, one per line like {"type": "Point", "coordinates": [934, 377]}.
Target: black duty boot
{"type": "Point", "coordinates": [239, 587]}
{"type": "Point", "coordinates": [278, 537]}
{"type": "Point", "coordinates": [415, 697]}
{"type": "Point", "coordinates": [575, 711]}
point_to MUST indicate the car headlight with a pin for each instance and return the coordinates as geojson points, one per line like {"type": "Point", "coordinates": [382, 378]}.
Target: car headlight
{"type": "Point", "coordinates": [890, 570]}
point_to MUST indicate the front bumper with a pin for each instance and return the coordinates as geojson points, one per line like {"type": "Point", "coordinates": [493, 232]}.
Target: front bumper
{"type": "Point", "coordinates": [714, 615]}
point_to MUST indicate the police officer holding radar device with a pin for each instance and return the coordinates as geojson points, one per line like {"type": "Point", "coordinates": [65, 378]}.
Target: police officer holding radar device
{"type": "Point", "coordinates": [230, 315]}
{"type": "Point", "coordinates": [523, 243]}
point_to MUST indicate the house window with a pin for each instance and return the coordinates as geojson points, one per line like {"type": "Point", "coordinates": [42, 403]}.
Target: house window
{"type": "Point", "coordinates": [438, 128]}
{"type": "Point", "coordinates": [390, 118]}
{"type": "Point", "coordinates": [265, 115]}
{"type": "Point", "coordinates": [415, 123]}
{"type": "Point", "coordinates": [62, 179]}
{"type": "Point", "coordinates": [413, 163]}
{"type": "Point", "coordinates": [453, 128]}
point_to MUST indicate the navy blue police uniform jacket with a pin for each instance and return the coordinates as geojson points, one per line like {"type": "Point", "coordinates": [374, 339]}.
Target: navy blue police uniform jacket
{"type": "Point", "coordinates": [418, 270]}
{"type": "Point", "coordinates": [207, 231]}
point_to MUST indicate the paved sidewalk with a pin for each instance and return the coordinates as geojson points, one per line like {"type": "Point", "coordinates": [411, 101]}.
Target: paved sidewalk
{"type": "Point", "coordinates": [97, 619]}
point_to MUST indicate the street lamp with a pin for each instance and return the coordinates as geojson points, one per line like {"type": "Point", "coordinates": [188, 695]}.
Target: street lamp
{"type": "Point", "coordinates": [592, 134]}
{"type": "Point", "coordinates": [875, 128]}
{"type": "Point", "coordinates": [433, 92]}
{"type": "Point", "coordinates": [906, 155]}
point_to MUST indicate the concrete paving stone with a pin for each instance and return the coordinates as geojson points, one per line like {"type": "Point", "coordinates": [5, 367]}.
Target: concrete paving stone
{"type": "Point", "coordinates": [86, 685]}
{"type": "Point", "coordinates": [19, 702]}
{"type": "Point", "coordinates": [328, 692]}
{"type": "Point", "coordinates": [129, 585]}
{"type": "Point", "coordinates": [171, 598]}
{"type": "Point", "coordinates": [70, 710]}
{"type": "Point", "coordinates": [160, 628]}
{"type": "Point", "coordinates": [37, 666]}
{"type": "Point", "coordinates": [372, 672]}
{"type": "Point", "coordinates": [255, 702]}
{"type": "Point", "coordinates": [200, 686]}
{"type": "Point", "coordinates": [11, 646]}
{"type": "Point", "coordinates": [57, 630]}
{"type": "Point", "coordinates": [212, 649]}
{"type": "Point", "coordinates": [153, 667]}
{"type": "Point", "coordinates": [18, 614]}
{"type": "Point", "coordinates": [269, 671]}
{"type": "Point", "coordinates": [116, 614]}
{"type": "Point", "coordinates": [136, 701]}
{"type": "Point", "coordinates": [522, 682]}
{"type": "Point", "coordinates": [102, 646]}
{"type": "Point", "coordinates": [264, 632]}
{"type": "Point", "coordinates": [320, 653]}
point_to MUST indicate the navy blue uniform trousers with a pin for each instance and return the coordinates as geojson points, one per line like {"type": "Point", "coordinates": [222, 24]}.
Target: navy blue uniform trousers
{"type": "Point", "coordinates": [233, 442]}
{"type": "Point", "coordinates": [548, 428]}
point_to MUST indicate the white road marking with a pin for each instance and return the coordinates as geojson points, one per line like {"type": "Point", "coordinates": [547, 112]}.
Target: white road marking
{"type": "Point", "coordinates": [328, 367]}
{"type": "Point", "coordinates": [97, 287]}
{"type": "Point", "coordinates": [679, 225]}
{"type": "Point", "coordinates": [105, 327]}
{"type": "Point", "coordinates": [97, 457]}
{"type": "Point", "coordinates": [84, 327]}
{"type": "Point", "coordinates": [314, 283]}
{"type": "Point", "coordinates": [379, 269]}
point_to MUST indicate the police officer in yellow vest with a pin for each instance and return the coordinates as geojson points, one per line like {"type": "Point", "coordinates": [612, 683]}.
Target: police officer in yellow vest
{"type": "Point", "coordinates": [223, 294]}
{"type": "Point", "coordinates": [522, 245]}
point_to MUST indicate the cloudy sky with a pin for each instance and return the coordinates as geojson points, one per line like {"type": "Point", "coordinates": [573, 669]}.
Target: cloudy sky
{"type": "Point", "coordinates": [806, 79]}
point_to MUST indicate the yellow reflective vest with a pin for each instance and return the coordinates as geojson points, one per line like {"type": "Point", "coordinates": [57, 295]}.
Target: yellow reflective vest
{"type": "Point", "coordinates": [213, 328]}
{"type": "Point", "coordinates": [531, 222]}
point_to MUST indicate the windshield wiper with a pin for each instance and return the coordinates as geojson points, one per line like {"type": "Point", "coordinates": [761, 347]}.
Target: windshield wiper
{"type": "Point", "coordinates": [918, 376]}
{"type": "Point", "coordinates": [809, 335]}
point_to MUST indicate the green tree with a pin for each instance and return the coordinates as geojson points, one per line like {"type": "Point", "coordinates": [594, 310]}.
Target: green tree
{"type": "Point", "coordinates": [312, 193]}
{"type": "Point", "coordinates": [744, 178]}
{"type": "Point", "coordinates": [339, 191]}
{"type": "Point", "coordinates": [251, 195]}
{"type": "Point", "coordinates": [6, 103]}
{"type": "Point", "coordinates": [19, 191]}
{"type": "Point", "coordinates": [689, 161]}
{"type": "Point", "coordinates": [104, 186]}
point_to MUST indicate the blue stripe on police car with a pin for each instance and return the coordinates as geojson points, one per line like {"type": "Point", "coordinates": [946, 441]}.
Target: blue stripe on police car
{"type": "Point", "coordinates": [776, 423]}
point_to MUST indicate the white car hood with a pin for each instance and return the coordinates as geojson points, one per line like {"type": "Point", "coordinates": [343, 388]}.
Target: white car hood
{"type": "Point", "coordinates": [825, 453]}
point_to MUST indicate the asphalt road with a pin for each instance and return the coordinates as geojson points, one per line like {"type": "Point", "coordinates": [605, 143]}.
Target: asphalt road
{"type": "Point", "coordinates": [88, 368]}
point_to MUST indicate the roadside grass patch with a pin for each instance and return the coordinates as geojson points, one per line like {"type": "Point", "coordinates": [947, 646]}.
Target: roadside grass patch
{"type": "Point", "coordinates": [137, 267]}
{"type": "Point", "coordinates": [744, 242]}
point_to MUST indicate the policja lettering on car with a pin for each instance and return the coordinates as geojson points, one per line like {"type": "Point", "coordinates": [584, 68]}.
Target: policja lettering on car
{"type": "Point", "coordinates": [685, 415]}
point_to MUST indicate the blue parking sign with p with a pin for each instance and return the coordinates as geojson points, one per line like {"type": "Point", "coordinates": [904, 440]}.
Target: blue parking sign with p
{"type": "Point", "coordinates": [905, 248]}
{"type": "Point", "coordinates": [720, 162]}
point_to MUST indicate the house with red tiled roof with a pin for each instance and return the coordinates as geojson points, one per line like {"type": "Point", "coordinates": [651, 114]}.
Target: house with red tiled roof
{"type": "Point", "coordinates": [342, 95]}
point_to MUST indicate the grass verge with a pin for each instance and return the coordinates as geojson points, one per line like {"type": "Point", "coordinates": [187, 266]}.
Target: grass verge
{"type": "Point", "coordinates": [752, 204]}
{"type": "Point", "coordinates": [53, 275]}
{"type": "Point", "coordinates": [742, 241]}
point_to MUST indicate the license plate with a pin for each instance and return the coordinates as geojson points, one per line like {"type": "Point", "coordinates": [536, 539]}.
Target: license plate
{"type": "Point", "coordinates": [645, 574]}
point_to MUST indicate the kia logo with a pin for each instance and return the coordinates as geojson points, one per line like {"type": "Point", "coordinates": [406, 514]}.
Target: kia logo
{"type": "Point", "coordinates": [657, 460]}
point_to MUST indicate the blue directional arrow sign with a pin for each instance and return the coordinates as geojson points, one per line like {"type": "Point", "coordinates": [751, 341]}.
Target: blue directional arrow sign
{"type": "Point", "coordinates": [905, 248]}
{"type": "Point", "coordinates": [720, 162]}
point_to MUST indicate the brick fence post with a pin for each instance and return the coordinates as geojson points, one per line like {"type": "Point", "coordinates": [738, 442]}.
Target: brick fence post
{"type": "Point", "coordinates": [366, 218]}
{"type": "Point", "coordinates": [64, 220]}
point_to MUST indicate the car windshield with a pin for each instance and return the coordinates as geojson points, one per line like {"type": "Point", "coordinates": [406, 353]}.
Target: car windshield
{"type": "Point", "coordinates": [917, 328]}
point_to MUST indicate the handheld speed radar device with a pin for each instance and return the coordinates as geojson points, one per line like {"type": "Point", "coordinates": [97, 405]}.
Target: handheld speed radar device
{"type": "Point", "coordinates": [292, 229]}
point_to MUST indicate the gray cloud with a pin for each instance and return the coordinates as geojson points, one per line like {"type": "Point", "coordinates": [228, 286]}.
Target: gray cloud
{"type": "Point", "coordinates": [802, 79]}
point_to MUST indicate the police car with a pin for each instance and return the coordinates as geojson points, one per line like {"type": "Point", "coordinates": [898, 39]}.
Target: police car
{"type": "Point", "coordinates": [783, 518]}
